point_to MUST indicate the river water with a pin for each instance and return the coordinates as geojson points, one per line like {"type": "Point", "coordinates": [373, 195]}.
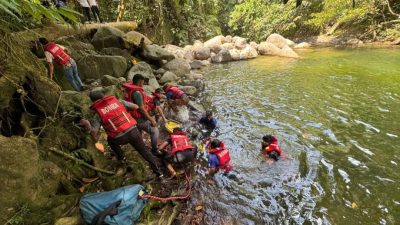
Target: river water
{"type": "Point", "coordinates": [336, 113]}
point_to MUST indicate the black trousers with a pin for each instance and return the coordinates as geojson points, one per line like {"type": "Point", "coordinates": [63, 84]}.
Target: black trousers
{"type": "Point", "coordinates": [86, 12]}
{"type": "Point", "coordinates": [134, 138]}
{"type": "Point", "coordinates": [96, 12]}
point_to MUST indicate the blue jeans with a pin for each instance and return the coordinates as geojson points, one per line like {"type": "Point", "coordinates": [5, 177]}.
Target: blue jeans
{"type": "Point", "coordinates": [72, 75]}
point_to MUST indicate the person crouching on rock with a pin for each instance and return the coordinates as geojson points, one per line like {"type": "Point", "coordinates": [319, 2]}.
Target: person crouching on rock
{"type": "Point", "coordinates": [177, 101]}
{"type": "Point", "coordinates": [154, 105]}
{"type": "Point", "coordinates": [119, 125]}
{"type": "Point", "coordinates": [134, 93]}
{"type": "Point", "coordinates": [180, 150]}
{"type": "Point", "coordinates": [208, 120]}
{"type": "Point", "coordinates": [270, 147]}
{"type": "Point", "coordinates": [218, 157]}
{"type": "Point", "coordinates": [60, 55]}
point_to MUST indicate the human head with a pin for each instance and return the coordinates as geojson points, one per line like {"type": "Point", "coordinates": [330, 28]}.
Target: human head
{"type": "Point", "coordinates": [96, 95]}
{"type": "Point", "coordinates": [43, 41]}
{"type": "Point", "coordinates": [166, 86]}
{"type": "Point", "coordinates": [215, 143]}
{"type": "Point", "coordinates": [158, 91]}
{"type": "Point", "coordinates": [138, 80]}
{"type": "Point", "coordinates": [177, 129]}
{"type": "Point", "coordinates": [268, 139]}
{"type": "Point", "coordinates": [209, 114]}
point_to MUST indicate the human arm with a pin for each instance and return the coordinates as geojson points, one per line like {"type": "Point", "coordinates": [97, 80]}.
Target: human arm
{"type": "Point", "coordinates": [93, 127]}
{"type": "Point", "coordinates": [51, 70]}
{"type": "Point", "coordinates": [163, 145]}
{"type": "Point", "coordinates": [161, 112]}
{"type": "Point", "coordinates": [138, 99]}
{"type": "Point", "coordinates": [129, 105]}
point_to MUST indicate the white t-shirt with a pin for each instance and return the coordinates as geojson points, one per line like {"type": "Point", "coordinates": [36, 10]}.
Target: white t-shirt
{"type": "Point", "coordinates": [92, 2]}
{"type": "Point", "coordinates": [49, 56]}
{"type": "Point", "coordinates": [83, 3]}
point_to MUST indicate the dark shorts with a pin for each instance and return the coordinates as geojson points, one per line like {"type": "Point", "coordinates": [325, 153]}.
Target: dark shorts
{"type": "Point", "coordinates": [182, 156]}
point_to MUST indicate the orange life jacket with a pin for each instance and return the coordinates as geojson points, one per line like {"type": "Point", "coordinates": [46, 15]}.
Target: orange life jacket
{"type": "Point", "coordinates": [114, 117]}
{"type": "Point", "coordinates": [273, 147]}
{"type": "Point", "coordinates": [177, 93]}
{"type": "Point", "coordinates": [129, 89]}
{"type": "Point", "coordinates": [180, 142]}
{"type": "Point", "coordinates": [58, 53]}
{"type": "Point", "coordinates": [151, 98]}
{"type": "Point", "coordinates": [222, 154]}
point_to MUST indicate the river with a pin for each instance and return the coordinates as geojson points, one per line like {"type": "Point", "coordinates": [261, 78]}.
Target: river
{"type": "Point", "coordinates": [336, 113]}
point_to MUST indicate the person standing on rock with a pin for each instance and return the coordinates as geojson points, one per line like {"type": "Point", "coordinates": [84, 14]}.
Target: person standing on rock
{"type": "Point", "coordinates": [60, 55]}
{"type": "Point", "coordinates": [95, 9]}
{"type": "Point", "coordinates": [134, 93]}
{"type": "Point", "coordinates": [119, 125]}
{"type": "Point", "coordinates": [85, 8]}
{"type": "Point", "coordinates": [177, 101]}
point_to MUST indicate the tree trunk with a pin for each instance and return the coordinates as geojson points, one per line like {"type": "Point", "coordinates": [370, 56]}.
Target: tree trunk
{"type": "Point", "coordinates": [121, 10]}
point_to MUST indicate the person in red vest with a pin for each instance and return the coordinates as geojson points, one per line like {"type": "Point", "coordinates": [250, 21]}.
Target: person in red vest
{"type": "Point", "coordinates": [154, 106]}
{"type": "Point", "coordinates": [177, 101]}
{"type": "Point", "coordinates": [119, 125]}
{"type": "Point", "coordinates": [270, 147]}
{"type": "Point", "coordinates": [180, 150]}
{"type": "Point", "coordinates": [218, 157]}
{"type": "Point", "coordinates": [133, 92]}
{"type": "Point", "coordinates": [60, 55]}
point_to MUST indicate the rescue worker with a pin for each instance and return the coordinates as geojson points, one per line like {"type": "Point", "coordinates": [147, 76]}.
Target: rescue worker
{"type": "Point", "coordinates": [177, 101]}
{"type": "Point", "coordinates": [270, 147]}
{"type": "Point", "coordinates": [180, 150]}
{"type": "Point", "coordinates": [218, 157]}
{"type": "Point", "coordinates": [119, 125]}
{"type": "Point", "coordinates": [60, 55]}
{"type": "Point", "coordinates": [208, 120]}
{"type": "Point", "coordinates": [155, 105]}
{"type": "Point", "coordinates": [134, 93]}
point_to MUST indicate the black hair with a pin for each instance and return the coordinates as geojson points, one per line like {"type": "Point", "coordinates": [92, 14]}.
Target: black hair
{"type": "Point", "coordinates": [43, 41]}
{"type": "Point", "coordinates": [209, 113]}
{"type": "Point", "coordinates": [215, 143]}
{"type": "Point", "coordinates": [268, 138]}
{"type": "Point", "coordinates": [96, 95]}
{"type": "Point", "coordinates": [274, 155]}
{"type": "Point", "coordinates": [138, 77]}
{"type": "Point", "coordinates": [158, 90]}
{"type": "Point", "coordinates": [177, 129]}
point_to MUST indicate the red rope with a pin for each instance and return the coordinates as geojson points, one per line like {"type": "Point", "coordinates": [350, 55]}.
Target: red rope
{"type": "Point", "coordinates": [177, 197]}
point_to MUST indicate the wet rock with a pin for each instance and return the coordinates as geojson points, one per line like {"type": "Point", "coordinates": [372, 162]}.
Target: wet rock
{"type": "Point", "coordinates": [69, 221]}
{"type": "Point", "coordinates": [189, 90]}
{"type": "Point", "coordinates": [106, 37]}
{"type": "Point", "coordinates": [96, 66]}
{"type": "Point", "coordinates": [134, 37]}
{"type": "Point", "coordinates": [201, 53]}
{"type": "Point", "coordinates": [197, 76]}
{"type": "Point", "coordinates": [198, 84]}
{"type": "Point", "coordinates": [248, 53]}
{"type": "Point", "coordinates": [168, 77]}
{"type": "Point", "coordinates": [178, 66]}
{"type": "Point", "coordinates": [277, 40]}
{"type": "Point", "coordinates": [196, 107]}
{"type": "Point", "coordinates": [235, 54]}
{"type": "Point", "coordinates": [240, 43]}
{"type": "Point", "coordinates": [222, 56]}
{"type": "Point", "coordinates": [303, 45]}
{"type": "Point", "coordinates": [156, 53]}
{"type": "Point", "coordinates": [108, 80]}
{"type": "Point", "coordinates": [196, 64]}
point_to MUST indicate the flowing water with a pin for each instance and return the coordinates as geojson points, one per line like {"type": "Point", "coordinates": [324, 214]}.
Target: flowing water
{"type": "Point", "coordinates": [336, 113]}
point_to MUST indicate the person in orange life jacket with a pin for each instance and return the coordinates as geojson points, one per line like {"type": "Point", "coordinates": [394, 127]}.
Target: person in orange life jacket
{"type": "Point", "coordinates": [175, 96]}
{"type": "Point", "coordinates": [155, 104]}
{"type": "Point", "coordinates": [60, 55]}
{"type": "Point", "coordinates": [218, 157]}
{"type": "Point", "coordinates": [134, 93]}
{"type": "Point", "coordinates": [270, 147]}
{"type": "Point", "coordinates": [120, 126]}
{"type": "Point", "coordinates": [180, 150]}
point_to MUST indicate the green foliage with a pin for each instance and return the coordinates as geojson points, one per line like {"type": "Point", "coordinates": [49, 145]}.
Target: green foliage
{"type": "Point", "coordinates": [16, 15]}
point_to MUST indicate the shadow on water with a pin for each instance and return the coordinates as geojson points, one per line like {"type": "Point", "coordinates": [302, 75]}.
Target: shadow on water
{"type": "Point", "coordinates": [336, 114]}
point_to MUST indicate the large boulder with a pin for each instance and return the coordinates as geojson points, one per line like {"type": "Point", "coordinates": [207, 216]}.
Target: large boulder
{"type": "Point", "coordinates": [146, 70]}
{"type": "Point", "coordinates": [290, 43]}
{"type": "Point", "coordinates": [222, 56]}
{"type": "Point", "coordinates": [74, 43]}
{"type": "Point", "coordinates": [156, 53]}
{"type": "Point", "coordinates": [228, 46]}
{"type": "Point", "coordinates": [240, 43]}
{"type": "Point", "coordinates": [134, 37]}
{"type": "Point", "coordinates": [277, 40]}
{"type": "Point", "coordinates": [228, 39]}
{"type": "Point", "coordinates": [235, 54]}
{"type": "Point", "coordinates": [117, 52]}
{"type": "Point", "coordinates": [201, 53]}
{"type": "Point", "coordinates": [177, 51]}
{"type": "Point", "coordinates": [108, 80]}
{"type": "Point", "coordinates": [96, 66]}
{"type": "Point", "coordinates": [267, 48]}
{"type": "Point", "coordinates": [196, 64]}
{"type": "Point", "coordinates": [254, 45]}
{"type": "Point", "coordinates": [288, 52]}
{"type": "Point", "coordinates": [198, 43]}
{"type": "Point", "coordinates": [106, 37]}
{"type": "Point", "coordinates": [248, 53]}
{"type": "Point", "coordinates": [168, 77]}
{"type": "Point", "coordinates": [178, 66]}
{"type": "Point", "coordinates": [189, 90]}
{"type": "Point", "coordinates": [214, 44]}
{"type": "Point", "coordinates": [188, 53]}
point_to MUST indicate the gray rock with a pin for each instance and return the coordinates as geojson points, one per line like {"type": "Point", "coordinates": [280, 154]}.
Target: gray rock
{"type": "Point", "coordinates": [189, 90]}
{"type": "Point", "coordinates": [156, 53]}
{"type": "Point", "coordinates": [95, 66]}
{"type": "Point", "coordinates": [240, 43]}
{"type": "Point", "coordinates": [214, 44]}
{"type": "Point", "coordinates": [134, 37]}
{"type": "Point", "coordinates": [141, 68]}
{"type": "Point", "coordinates": [68, 221]}
{"type": "Point", "coordinates": [196, 107]}
{"type": "Point", "coordinates": [303, 45]}
{"type": "Point", "coordinates": [201, 53]}
{"type": "Point", "coordinates": [106, 37]}
{"type": "Point", "coordinates": [108, 80]}
{"type": "Point", "coordinates": [199, 84]}
{"type": "Point", "coordinates": [117, 52]}
{"type": "Point", "coordinates": [121, 79]}
{"type": "Point", "coordinates": [197, 76]}
{"type": "Point", "coordinates": [159, 71]}
{"type": "Point", "coordinates": [168, 77]}
{"type": "Point", "coordinates": [222, 56]}
{"type": "Point", "coordinates": [196, 64]}
{"type": "Point", "coordinates": [178, 66]}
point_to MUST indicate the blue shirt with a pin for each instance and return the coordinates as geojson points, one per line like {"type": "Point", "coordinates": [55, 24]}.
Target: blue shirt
{"type": "Point", "coordinates": [213, 161]}
{"type": "Point", "coordinates": [211, 124]}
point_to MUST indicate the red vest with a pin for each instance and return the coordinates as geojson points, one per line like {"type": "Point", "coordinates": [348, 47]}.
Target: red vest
{"type": "Point", "coordinates": [114, 117]}
{"type": "Point", "coordinates": [58, 53]}
{"type": "Point", "coordinates": [273, 147]}
{"type": "Point", "coordinates": [129, 89]}
{"type": "Point", "coordinates": [177, 93]}
{"type": "Point", "coordinates": [223, 155]}
{"type": "Point", "coordinates": [180, 142]}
